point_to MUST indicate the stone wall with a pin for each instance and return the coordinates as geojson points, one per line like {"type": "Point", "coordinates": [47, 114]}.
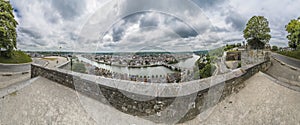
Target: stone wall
{"type": "Point", "coordinates": [63, 78]}
{"type": "Point", "coordinates": [160, 103]}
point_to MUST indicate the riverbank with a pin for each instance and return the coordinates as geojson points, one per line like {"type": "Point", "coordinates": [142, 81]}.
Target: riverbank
{"type": "Point", "coordinates": [172, 66]}
{"type": "Point", "coordinates": [151, 73]}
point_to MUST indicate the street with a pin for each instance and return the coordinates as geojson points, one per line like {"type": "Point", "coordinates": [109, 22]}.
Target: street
{"type": "Point", "coordinates": [290, 61]}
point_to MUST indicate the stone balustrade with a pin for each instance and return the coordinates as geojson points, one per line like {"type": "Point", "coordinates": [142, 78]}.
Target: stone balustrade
{"type": "Point", "coordinates": [158, 102]}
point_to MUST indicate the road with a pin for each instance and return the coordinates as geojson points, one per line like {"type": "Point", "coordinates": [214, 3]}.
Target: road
{"type": "Point", "coordinates": [287, 60]}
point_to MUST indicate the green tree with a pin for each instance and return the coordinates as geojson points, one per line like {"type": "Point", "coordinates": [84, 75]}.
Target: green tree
{"type": "Point", "coordinates": [257, 32]}
{"type": "Point", "coordinates": [274, 48]}
{"type": "Point", "coordinates": [293, 29]}
{"type": "Point", "coordinates": [207, 71]}
{"type": "Point", "coordinates": [8, 33]}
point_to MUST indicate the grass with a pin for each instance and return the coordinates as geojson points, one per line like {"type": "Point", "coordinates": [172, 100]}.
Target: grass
{"type": "Point", "coordinates": [18, 57]}
{"type": "Point", "coordinates": [79, 67]}
{"type": "Point", "coordinates": [294, 54]}
{"type": "Point", "coordinates": [13, 94]}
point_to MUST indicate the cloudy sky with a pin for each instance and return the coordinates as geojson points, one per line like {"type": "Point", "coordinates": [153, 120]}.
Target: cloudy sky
{"type": "Point", "coordinates": [133, 25]}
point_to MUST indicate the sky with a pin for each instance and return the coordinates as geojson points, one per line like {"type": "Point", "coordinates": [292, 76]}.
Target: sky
{"type": "Point", "coordinates": [141, 25]}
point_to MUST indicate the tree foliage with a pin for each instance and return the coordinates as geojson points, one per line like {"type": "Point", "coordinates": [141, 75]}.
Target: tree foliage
{"type": "Point", "coordinates": [293, 29]}
{"type": "Point", "coordinates": [207, 71]}
{"type": "Point", "coordinates": [8, 33]}
{"type": "Point", "coordinates": [257, 32]}
{"type": "Point", "coordinates": [274, 48]}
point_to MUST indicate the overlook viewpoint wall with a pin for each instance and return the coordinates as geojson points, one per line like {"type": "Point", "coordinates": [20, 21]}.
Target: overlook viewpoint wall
{"type": "Point", "coordinates": [158, 102]}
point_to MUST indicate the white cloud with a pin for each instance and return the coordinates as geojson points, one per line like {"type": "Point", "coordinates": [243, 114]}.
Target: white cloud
{"type": "Point", "coordinates": [47, 25]}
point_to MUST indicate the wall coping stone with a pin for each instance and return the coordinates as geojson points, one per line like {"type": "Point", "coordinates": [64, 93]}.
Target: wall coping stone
{"type": "Point", "coordinates": [159, 89]}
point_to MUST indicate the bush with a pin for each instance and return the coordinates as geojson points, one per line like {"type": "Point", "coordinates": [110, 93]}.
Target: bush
{"type": "Point", "coordinates": [79, 67]}
{"type": "Point", "coordinates": [239, 65]}
{"type": "Point", "coordinates": [298, 48]}
{"type": "Point", "coordinates": [274, 48]}
{"type": "Point", "coordinates": [207, 71]}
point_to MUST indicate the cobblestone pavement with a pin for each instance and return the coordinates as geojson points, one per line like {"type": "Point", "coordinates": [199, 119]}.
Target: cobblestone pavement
{"type": "Point", "coordinates": [261, 102]}
{"type": "Point", "coordinates": [51, 62]}
{"type": "Point", "coordinates": [284, 73]}
{"type": "Point", "coordinates": [45, 102]}
{"type": "Point", "coordinates": [5, 81]}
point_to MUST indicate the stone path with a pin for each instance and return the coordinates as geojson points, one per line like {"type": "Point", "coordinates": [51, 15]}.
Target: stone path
{"type": "Point", "coordinates": [262, 101]}
{"type": "Point", "coordinates": [6, 81]}
{"type": "Point", "coordinates": [284, 73]}
{"type": "Point", "coordinates": [51, 62]}
{"type": "Point", "coordinates": [46, 102]}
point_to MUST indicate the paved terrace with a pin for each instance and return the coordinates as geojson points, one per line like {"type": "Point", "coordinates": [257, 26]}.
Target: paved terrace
{"type": "Point", "coordinates": [14, 75]}
{"type": "Point", "coordinates": [262, 101]}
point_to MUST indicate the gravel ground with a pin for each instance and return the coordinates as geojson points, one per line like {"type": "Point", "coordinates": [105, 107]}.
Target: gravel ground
{"type": "Point", "coordinates": [284, 72]}
{"type": "Point", "coordinates": [6, 81]}
{"type": "Point", "coordinates": [262, 101]}
{"type": "Point", "coordinates": [45, 102]}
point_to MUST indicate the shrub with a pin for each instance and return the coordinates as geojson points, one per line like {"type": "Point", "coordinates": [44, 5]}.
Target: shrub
{"type": "Point", "coordinates": [79, 67]}
{"type": "Point", "coordinates": [274, 48]}
{"type": "Point", "coordinates": [293, 54]}
{"type": "Point", "coordinates": [239, 65]}
{"type": "Point", "coordinates": [207, 71]}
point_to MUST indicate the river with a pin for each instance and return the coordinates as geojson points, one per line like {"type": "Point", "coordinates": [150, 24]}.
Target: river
{"type": "Point", "coordinates": [147, 71]}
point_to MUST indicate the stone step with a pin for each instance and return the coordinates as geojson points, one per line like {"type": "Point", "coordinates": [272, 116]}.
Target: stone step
{"type": "Point", "coordinates": [10, 80]}
{"type": "Point", "coordinates": [16, 86]}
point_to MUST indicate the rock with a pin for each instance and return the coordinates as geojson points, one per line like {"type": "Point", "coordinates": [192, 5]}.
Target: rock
{"type": "Point", "coordinates": [124, 108]}
{"type": "Point", "coordinates": [148, 111]}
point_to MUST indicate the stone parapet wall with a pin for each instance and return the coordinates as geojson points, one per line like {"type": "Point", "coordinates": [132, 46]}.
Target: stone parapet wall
{"type": "Point", "coordinates": [158, 102]}
{"type": "Point", "coordinates": [63, 78]}
{"type": "Point", "coordinates": [64, 64]}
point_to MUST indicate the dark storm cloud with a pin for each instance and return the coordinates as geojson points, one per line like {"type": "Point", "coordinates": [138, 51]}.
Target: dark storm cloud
{"type": "Point", "coordinates": [109, 45]}
{"type": "Point", "coordinates": [233, 40]}
{"type": "Point", "coordinates": [69, 9]}
{"type": "Point", "coordinates": [133, 18]}
{"type": "Point", "coordinates": [205, 4]}
{"type": "Point", "coordinates": [73, 36]}
{"type": "Point", "coordinates": [236, 21]}
{"type": "Point", "coordinates": [30, 33]}
{"type": "Point", "coordinates": [149, 21]}
{"type": "Point", "coordinates": [52, 18]}
{"type": "Point", "coordinates": [219, 29]}
{"type": "Point", "coordinates": [40, 42]}
{"type": "Point", "coordinates": [186, 32]}
{"type": "Point", "coordinates": [17, 13]}
{"type": "Point", "coordinates": [43, 22]}
{"type": "Point", "coordinates": [180, 27]}
{"type": "Point", "coordinates": [136, 39]}
{"type": "Point", "coordinates": [118, 33]}
{"type": "Point", "coordinates": [62, 43]}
